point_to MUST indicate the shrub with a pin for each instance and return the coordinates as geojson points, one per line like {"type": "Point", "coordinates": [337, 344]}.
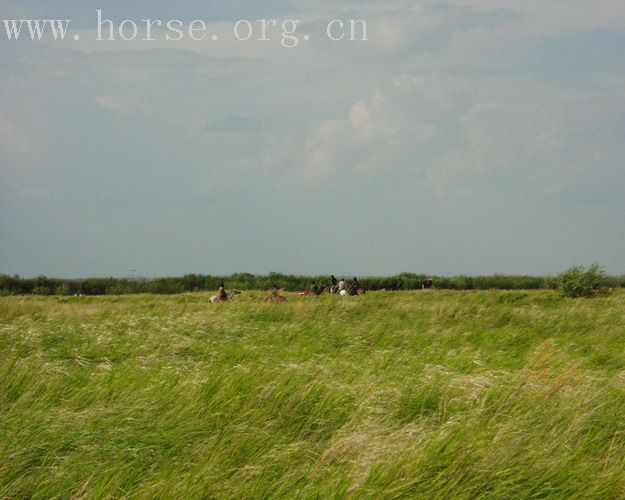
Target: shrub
{"type": "Point", "coordinates": [579, 281]}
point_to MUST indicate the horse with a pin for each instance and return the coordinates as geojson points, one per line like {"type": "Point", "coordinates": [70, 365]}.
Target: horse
{"type": "Point", "coordinates": [215, 298]}
{"type": "Point", "coordinates": [275, 297]}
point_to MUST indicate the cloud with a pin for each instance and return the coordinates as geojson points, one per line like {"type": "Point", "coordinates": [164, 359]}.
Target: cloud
{"type": "Point", "coordinates": [394, 130]}
{"type": "Point", "coordinates": [122, 104]}
{"type": "Point", "coordinates": [431, 27]}
{"type": "Point", "coordinates": [450, 133]}
{"type": "Point", "coordinates": [11, 141]}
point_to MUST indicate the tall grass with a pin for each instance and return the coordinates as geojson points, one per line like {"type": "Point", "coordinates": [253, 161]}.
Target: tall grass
{"type": "Point", "coordinates": [434, 394]}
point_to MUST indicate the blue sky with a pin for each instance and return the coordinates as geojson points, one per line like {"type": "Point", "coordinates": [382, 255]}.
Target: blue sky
{"type": "Point", "coordinates": [465, 137]}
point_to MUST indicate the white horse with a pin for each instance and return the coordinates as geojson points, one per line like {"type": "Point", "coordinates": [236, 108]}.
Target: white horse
{"type": "Point", "coordinates": [229, 296]}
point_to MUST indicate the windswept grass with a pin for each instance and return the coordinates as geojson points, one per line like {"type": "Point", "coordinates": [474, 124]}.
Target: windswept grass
{"type": "Point", "coordinates": [427, 394]}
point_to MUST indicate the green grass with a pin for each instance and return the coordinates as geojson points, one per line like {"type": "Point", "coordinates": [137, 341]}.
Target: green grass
{"type": "Point", "coordinates": [431, 394]}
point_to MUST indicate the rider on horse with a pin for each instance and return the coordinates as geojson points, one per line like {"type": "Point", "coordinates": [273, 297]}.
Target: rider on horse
{"type": "Point", "coordinates": [222, 295]}
{"type": "Point", "coordinates": [354, 286]}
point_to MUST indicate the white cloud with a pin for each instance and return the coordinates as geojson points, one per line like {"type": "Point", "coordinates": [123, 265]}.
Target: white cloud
{"type": "Point", "coordinates": [11, 141]}
{"type": "Point", "coordinates": [555, 17]}
{"type": "Point", "coordinates": [391, 130]}
{"type": "Point", "coordinates": [129, 104]}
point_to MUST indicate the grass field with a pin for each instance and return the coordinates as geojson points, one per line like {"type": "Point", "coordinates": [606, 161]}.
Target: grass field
{"type": "Point", "coordinates": [418, 394]}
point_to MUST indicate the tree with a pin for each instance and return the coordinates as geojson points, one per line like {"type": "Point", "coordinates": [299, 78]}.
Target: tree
{"type": "Point", "coordinates": [579, 281]}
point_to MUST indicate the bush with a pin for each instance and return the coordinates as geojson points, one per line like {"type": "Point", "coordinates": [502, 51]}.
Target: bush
{"type": "Point", "coordinates": [579, 281]}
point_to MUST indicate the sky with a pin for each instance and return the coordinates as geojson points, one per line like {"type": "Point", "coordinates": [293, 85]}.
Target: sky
{"type": "Point", "coordinates": [464, 137]}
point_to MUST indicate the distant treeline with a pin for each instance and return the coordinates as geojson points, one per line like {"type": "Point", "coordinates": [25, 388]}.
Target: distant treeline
{"type": "Point", "coordinates": [244, 281]}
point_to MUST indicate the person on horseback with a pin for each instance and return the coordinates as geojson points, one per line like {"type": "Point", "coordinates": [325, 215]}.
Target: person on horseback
{"type": "Point", "coordinates": [222, 295]}
{"type": "Point", "coordinates": [275, 295]}
{"type": "Point", "coordinates": [341, 286]}
{"type": "Point", "coordinates": [354, 287]}
{"type": "Point", "coordinates": [333, 284]}
{"type": "Point", "coordinates": [399, 285]}
{"type": "Point", "coordinates": [315, 288]}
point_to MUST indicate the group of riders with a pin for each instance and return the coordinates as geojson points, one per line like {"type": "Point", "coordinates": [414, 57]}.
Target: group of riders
{"type": "Point", "coordinates": [336, 286]}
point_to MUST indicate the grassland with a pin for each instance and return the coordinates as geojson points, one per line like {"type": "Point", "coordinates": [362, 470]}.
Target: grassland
{"type": "Point", "coordinates": [434, 394]}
